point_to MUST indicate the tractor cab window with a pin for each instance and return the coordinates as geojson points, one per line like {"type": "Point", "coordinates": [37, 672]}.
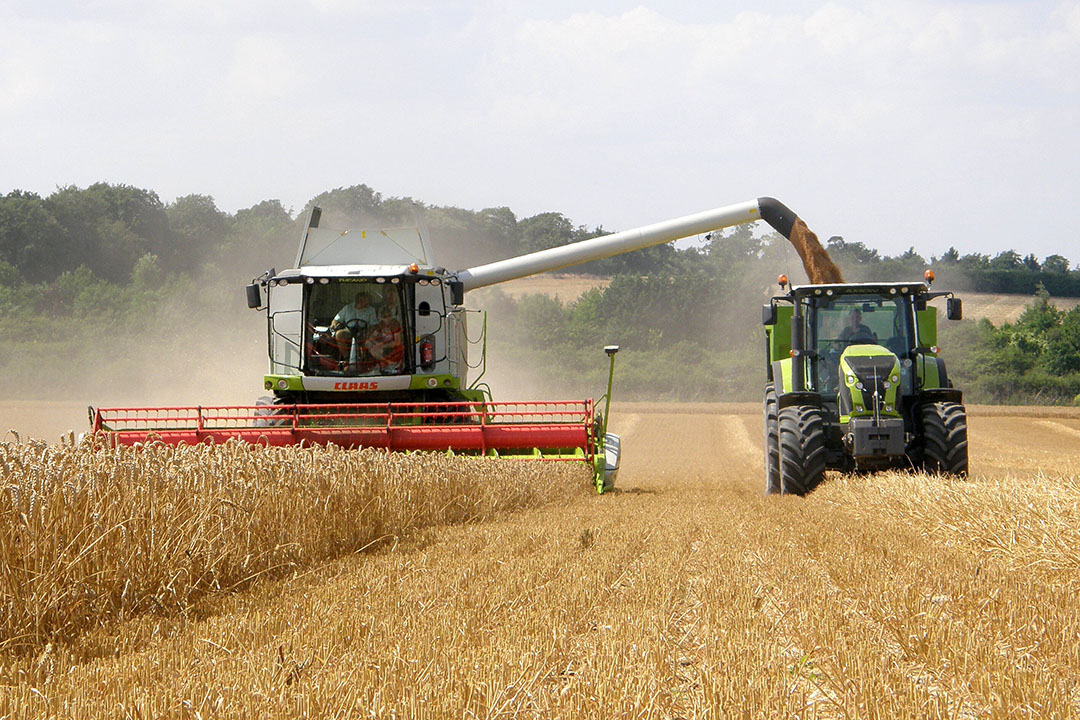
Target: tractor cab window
{"type": "Point", "coordinates": [838, 323]}
{"type": "Point", "coordinates": [354, 328]}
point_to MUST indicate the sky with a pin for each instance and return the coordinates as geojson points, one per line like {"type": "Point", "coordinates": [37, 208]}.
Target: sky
{"type": "Point", "coordinates": [896, 124]}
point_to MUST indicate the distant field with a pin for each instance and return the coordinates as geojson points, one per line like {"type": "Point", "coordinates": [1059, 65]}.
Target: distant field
{"type": "Point", "coordinates": [1005, 308]}
{"type": "Point", "coordinates": [997, 308]}
{"type": "Point", "coordinates": [564, 287]}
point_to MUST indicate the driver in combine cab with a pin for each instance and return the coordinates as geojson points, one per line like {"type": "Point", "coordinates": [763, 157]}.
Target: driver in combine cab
{"type": "Point", "coordinates": [855, 333]}
{"type": "Point", "coordinates": [358, 316]}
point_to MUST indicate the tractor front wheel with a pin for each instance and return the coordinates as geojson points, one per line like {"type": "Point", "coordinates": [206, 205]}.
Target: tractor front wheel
{"type": "Point", "coordinates": [944, 441]}
{"type": "Point", "coordinates": [802, 448]}
{"type": "Point", "coordinates": [772, 442]}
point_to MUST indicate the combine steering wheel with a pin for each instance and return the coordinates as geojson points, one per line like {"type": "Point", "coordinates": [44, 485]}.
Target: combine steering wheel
{"type": "Point", "coordinates": [357, 327]}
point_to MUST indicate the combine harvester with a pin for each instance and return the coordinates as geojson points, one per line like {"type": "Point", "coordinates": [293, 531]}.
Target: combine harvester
{"type": "Point", "coordinates": [368, 348]}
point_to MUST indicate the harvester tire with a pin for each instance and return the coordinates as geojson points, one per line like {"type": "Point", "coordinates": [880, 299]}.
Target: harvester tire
{"type": "Point", "coordinates": [802, 448]}
{"type": "Point", "coordinates": [772, 442]}
{"type": "Point", "coordinates": [268, 407]}
{"type": "Point", "coordinates": [945, 443]}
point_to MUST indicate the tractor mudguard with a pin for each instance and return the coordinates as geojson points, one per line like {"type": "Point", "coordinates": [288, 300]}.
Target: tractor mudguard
{"type": "Point", "coordinates": [930, 372]}
{"type": "Point", "coordinates": [781, 376]}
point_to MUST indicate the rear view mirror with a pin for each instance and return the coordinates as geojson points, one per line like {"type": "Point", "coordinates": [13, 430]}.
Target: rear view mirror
{"type": "Point", "coordinates": [457, 292]}
{"type": "Point", "coordinates": [254, 296]}
{"type": "Point", "coordinates": [954, 308]}
{"type": "Point", "coordinates": [768, 314]}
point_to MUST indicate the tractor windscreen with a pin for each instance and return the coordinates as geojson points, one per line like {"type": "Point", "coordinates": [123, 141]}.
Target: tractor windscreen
{"type": "Point", "coordinates": [354, 328]}
{"type": "Point", "coordinates": [856, 319]}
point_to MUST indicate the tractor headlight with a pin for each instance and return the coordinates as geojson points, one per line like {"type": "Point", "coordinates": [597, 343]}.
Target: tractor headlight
{"type": "Point", "coordinates": [888, 408]}
{"type": "Point", "coordinates": [887, 384]}
{"type": "Point", "coordinates": [895, 379]}
{"type": "Point", "coordinates": [859, 385]}
{"type": "Point", "coordinates": [282, 384]}
{"type": "Point", "coordinates": [850, 379]}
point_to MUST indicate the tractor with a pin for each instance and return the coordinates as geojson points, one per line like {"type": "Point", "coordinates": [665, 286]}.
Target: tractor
{"type": "Point", "coordinates": [855, 382]}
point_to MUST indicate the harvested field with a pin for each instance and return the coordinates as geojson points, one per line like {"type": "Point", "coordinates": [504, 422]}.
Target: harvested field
{"type": "Point", "coordinates": [1000, 309]}
{"type": "Point", "coordinates": [686, 594]}
{"type": "Point", "coordinates": [566, 288]}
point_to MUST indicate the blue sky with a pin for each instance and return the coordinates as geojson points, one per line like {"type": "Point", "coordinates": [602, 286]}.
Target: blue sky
{"type": "Point", "coordinates": [892, 123]}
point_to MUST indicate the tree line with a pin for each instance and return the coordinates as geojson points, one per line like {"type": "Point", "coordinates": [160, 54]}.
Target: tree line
{"type": "Point", "coordinates": [108, 228]}
{"type": "Point", "coordinates": [111, 258]}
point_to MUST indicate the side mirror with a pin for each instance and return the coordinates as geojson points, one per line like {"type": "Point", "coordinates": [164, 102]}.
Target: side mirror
{"type": "Point", "coordinates": [954, 308]}
{"type": "Point", "coordinates": [254, 296]}
{"type": "Point", "coordinates": [768, 314]}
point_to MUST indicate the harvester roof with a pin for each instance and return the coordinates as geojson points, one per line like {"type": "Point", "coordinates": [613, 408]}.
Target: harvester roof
{"type": "Point", "coordinates": [387, 246]}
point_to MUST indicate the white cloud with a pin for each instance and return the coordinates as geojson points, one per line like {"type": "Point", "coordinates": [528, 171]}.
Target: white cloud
{"type": "Point", "coordinates": [262, 67]}
{"type": "Point", "coordinates": [850, 111]}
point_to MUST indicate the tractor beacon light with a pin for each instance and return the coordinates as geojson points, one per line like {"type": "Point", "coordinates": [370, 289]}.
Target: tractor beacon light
{"type": "Point", "coordinates": [929, 275]}
{"type": "Point", "coordinates": [782, 280]}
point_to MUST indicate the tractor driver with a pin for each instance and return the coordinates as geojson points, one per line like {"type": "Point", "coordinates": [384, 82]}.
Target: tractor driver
{"type": "Point", "coordinates": [358, 316]}
{"type": "Point", "coordinates": [855, 332]}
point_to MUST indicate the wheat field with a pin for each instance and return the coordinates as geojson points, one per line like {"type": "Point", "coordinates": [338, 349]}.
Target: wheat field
{"type": "Point", "coordinates": [687, 594]}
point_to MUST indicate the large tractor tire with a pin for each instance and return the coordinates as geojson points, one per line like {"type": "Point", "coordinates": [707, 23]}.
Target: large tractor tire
{"type": "Point", "coordinates": [772, 442]}
{"type": "Point", "coordinates": [944, 441]}
{"type": "Point", "coordinates": [802, 448]}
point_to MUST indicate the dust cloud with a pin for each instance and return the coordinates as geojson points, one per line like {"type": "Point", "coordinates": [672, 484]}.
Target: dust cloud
{"type": "Point", "coordinates": [212, 352]}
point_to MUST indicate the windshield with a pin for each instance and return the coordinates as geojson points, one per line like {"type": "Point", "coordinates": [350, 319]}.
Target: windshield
{"type": "Point", "coordinates": [355, 327]}
{"type": "Point", "coordinates": [837, 323]}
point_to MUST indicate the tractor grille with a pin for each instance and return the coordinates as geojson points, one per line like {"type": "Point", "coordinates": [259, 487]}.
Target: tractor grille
{"type": "Point", "coordinates": [872, 372]}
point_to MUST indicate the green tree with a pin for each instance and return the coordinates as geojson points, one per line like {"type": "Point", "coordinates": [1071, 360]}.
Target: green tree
{"type": "Point", "coordinates": [1056, 264]}
{"type": "Point", "coordinates": [949, 257]}
{"type": "Point", "coordinates": [348, 207]}
{"type": "Point", "coordinates": [1006, 260]}
{"type": "Point", "coordinates": [550, 229]}
{"type": "Point", "coordinates": [199, 227]}
{"type": "Point", "coordinates": [1062, 354]}
{"type": "Point", "coordinates": [31, 239]}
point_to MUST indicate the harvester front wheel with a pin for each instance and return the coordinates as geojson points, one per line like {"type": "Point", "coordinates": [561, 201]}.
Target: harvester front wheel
{"type": "Point", "coordinates": [802, 448]}
{"type": "Point", "coordinates": [945, 444]}
{"type": "Point", "coordinates": [772, 442]}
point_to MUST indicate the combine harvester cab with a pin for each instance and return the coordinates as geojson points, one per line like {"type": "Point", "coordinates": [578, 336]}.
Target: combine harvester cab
{"type": "Point", "coordinates": [855, 382]}
{"type": "Point", "coordinates": [368, 347]}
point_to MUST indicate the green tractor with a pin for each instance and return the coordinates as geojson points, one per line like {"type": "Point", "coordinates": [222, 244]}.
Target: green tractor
{"type": "Point", "coordinates": [855, 383]}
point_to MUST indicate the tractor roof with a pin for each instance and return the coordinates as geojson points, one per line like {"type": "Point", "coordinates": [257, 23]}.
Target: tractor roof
{"type": "Point", "coordinates": [873, 288]}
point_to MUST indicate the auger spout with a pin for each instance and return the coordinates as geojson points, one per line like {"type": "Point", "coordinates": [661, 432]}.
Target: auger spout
{"type": "Point", "coordinates": [772, 211]}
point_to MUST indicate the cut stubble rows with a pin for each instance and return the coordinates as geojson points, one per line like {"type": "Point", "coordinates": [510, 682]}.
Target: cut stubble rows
{"type": "Point", "coordinates": [686, 594]}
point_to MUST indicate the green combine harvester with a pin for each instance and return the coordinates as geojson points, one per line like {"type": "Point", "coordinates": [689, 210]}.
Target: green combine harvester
{"type": "Point", "coordinates": [855, 382]}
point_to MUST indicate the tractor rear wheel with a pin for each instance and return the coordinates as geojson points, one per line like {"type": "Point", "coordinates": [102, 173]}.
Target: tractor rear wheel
{"type": "Point", "coordinates": [802, 448]}
{"type": "Point", "coordinates": [944, 441]}
{"type": "Point", "coordinates": [772, 442]}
